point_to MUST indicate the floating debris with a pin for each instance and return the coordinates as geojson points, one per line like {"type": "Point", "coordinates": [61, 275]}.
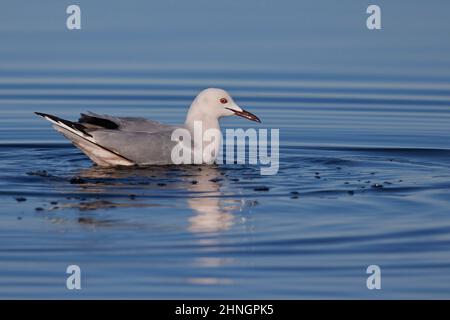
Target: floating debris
{"type": "Point", "coordinates": [251, 203]}
{"type": "Point", "coordinates": [194, 182]}
{"type": "Point", "coordinates": [40, 173]}
{"type": "Point", "coordinates": [21, 199]}
{"type": "Point", "coordinates": [77, 180]}
{"type": "Point", "coordinates": [161, 184]}
{"type": "Point", "coordinates": [263, 188]}
{"type": "Point", "coordinates": [94, 205]}
{"type": "Point", "coordinates": [377, 185]}
{"type": "Point", "coordinates": [39, 209]}
{"type": "Point", "coordinates": [86, 220]}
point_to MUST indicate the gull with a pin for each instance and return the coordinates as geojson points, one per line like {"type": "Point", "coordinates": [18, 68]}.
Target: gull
{"type": "Point", "coordinates": [123, 141]}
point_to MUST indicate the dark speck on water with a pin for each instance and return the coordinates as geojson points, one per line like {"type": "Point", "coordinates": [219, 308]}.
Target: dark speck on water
{"type": "Point", "coordinates": [77, 180]}
{"type": "Point", "coordinates": [377, 185]}
{"type": "Point", "coordinates": [351, 105]}
{"type": "Point", "coordinates": [263, 188]}
{"type": "Point", "coordinates": [40, 173]}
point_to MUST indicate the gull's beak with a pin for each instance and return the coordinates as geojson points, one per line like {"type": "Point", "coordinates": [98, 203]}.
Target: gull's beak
{"type": "Point", "coordinates": [245, 114]}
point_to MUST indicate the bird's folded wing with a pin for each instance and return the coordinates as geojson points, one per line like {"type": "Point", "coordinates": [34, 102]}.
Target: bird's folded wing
{"type": "Point", "coordinates": [141, 147]}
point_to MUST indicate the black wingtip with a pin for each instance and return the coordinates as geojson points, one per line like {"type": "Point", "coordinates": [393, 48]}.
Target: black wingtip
{"type": "Point", "coordinates": [74, 125]}
{"type": "Point", "coordinates": [40, 114]}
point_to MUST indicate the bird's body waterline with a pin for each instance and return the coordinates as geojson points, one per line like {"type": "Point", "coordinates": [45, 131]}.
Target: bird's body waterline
{"type": "Point", "coordinates": [123, 141]}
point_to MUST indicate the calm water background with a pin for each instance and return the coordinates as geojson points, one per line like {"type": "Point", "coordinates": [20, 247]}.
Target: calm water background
{"type": "Point", "coordinates": [355, 108]}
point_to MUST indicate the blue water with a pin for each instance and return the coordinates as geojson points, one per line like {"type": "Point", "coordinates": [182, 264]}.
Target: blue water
{"type": "Point", "coordinates": [364, 119]}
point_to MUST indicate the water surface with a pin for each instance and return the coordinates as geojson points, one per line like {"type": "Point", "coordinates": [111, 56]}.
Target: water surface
{"type": "Point", "coordinates": [364, 159]}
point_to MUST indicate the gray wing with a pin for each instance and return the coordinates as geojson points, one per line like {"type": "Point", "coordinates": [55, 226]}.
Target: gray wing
{"type": "Point", "coordinates": [127, 124]}
{"type": "Point", "coordinates": [143, 148]}
{"type": "Point", "coordinates": [115, 141]}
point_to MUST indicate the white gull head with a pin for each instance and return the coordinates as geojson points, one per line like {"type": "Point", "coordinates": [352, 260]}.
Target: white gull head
{"type": "Point", "coordinates": [212, 104]}
{"type": "Point", "coordinates": [202, 121]}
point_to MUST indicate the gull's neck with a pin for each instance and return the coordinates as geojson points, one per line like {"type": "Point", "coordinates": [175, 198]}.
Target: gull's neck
{"type": "Point", "coordinates": [198, 123]}
{"type": "Point", "coordinates": [195, 114]}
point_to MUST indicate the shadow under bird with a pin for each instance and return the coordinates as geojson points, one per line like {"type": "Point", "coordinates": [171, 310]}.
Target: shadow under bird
{"type": "Point", "coordinates": [123, 141]}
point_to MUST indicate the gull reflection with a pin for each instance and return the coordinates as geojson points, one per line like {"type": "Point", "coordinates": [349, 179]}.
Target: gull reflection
{"type": "Point", "coordinates": [213, 214]}
{"type": "Point", "coordinates": [201, 186]}
{"type": "Point", "coordinates": [205, 190]}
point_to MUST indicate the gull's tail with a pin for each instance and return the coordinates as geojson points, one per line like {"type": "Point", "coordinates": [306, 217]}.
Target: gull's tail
{"type": "Point", "coordinates": [73, 127]}
{"type": "Point", "coordinates": [80, 136]}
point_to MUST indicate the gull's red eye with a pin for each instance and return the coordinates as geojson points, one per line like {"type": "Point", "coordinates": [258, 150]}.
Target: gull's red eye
{"type": "Point", "coordinates": [223, 100]}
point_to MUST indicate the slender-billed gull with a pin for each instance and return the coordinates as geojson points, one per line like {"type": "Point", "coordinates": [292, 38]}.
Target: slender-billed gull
{"type": "Point", "coordinates": [119, 141]}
